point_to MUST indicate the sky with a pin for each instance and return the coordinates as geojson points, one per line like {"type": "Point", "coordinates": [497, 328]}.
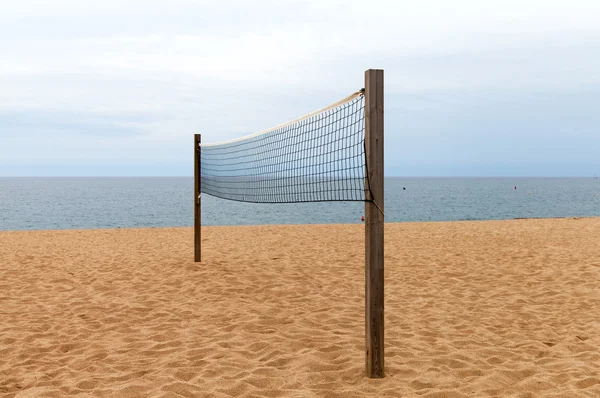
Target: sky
{"type": "Point", "coordinates": [472, 88]}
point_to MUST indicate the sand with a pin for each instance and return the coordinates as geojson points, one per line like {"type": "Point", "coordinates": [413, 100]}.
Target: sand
{"type": "Point", "coordinates": [498, 308]}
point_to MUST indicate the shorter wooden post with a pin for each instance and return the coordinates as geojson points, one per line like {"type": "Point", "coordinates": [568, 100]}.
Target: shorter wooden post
{"type": "Point", "coordinates": [197, 203]}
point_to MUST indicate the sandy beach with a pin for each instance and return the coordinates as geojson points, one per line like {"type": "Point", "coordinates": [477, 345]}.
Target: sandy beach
{"type": "Point", "coordinates": [494, 308]}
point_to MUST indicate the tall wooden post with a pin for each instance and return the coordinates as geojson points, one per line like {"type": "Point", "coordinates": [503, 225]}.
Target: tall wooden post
{"type": "Point", "coordinates": [197, 208]}
{"type": "Point", "coordinates": [374, 219]}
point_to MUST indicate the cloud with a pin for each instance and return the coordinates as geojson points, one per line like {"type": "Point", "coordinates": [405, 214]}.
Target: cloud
{"type": "Point", "coordinates": [135, 79]}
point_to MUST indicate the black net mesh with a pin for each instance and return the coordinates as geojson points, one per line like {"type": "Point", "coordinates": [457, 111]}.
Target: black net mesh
{"type": "Point", "coordinates": [320, 158]}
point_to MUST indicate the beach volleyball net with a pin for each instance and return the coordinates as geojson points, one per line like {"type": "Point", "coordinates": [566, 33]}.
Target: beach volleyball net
{"type": "Point", "coordinates": [319, 157]}
{"type": "Point", "coordinates": [333, 154]}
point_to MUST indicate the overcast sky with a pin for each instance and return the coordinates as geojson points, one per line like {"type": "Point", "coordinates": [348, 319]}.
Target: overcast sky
{"type": "Point", "coordinates": [116, 87]}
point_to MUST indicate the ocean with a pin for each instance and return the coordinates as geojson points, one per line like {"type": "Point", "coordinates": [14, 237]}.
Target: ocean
{"type": "Point", "coordinates": [33, 203]}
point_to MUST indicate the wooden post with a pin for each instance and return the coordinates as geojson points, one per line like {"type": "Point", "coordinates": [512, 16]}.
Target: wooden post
{"type": "Point", "coordinates": [374, 224]}
{"type": "Point", "coordinates": [197, 208]}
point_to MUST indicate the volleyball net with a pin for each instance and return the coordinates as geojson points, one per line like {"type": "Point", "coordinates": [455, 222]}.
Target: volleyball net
{"type": "Point", "coordinates": [333, 154]}
{"type": "Point", "coordinates": [319, 157]}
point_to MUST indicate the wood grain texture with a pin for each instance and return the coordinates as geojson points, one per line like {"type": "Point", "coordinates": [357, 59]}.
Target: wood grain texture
{"type": "Point", "coordinates": [374, 225]}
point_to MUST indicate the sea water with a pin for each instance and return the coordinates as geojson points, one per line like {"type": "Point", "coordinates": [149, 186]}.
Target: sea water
{"type": "Point", "coordinates": [28, 203]}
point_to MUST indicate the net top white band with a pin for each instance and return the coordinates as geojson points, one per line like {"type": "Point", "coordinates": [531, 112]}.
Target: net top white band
{"type": "Point", "coordinates": [301, 118]}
